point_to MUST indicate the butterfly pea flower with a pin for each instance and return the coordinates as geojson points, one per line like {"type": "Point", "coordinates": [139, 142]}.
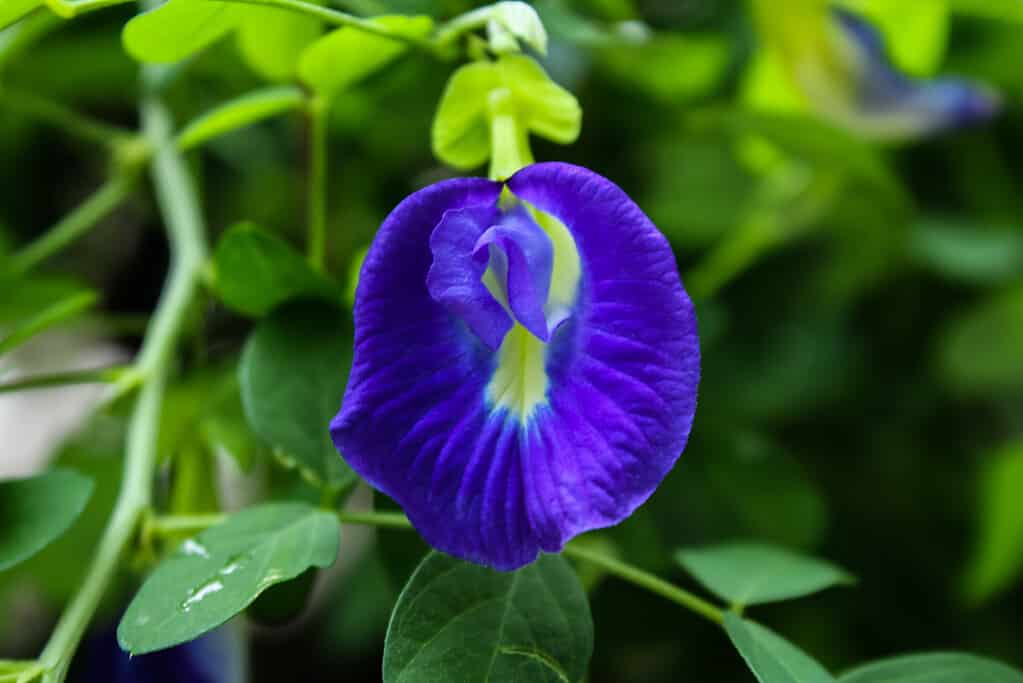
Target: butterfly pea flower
{"type": "Point", "coordinates": [839, 62]}
{"type": "Point", "coordinates": [526, 362]}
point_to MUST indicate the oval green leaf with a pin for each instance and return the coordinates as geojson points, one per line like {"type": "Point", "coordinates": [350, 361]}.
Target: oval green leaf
{"type": "Point", "coordinates": [216, 575]}
{"type": "Point", "coordinates": [771, 658]}
{"type": "Point", "coordinates": [342, 58]}
{"type": "Point", "coordinates": [755, 573]}
{"type": "Point", "coordinates": [240, 112]}
{"type": "Point", "coordinates": [179, 29]}
{"type": "Point", "coordinates": [981, 351]}
{"type": "Point", "coordinates": [256, 271]}
{"type": "Point", "coordinates": [272, 40]}
{"type": "Point", "coordinates": [13, 10]}
{"type": "Point", "coordinates": [934, 667]}
{"type": "Point", "coordinates": [998, 558]}
{"type": "Point", "coordinates": [457, 621]}
{"type": "Point", "coordinates": [293, 373]}
{"type": "Point", "coordinates": [35, 512]}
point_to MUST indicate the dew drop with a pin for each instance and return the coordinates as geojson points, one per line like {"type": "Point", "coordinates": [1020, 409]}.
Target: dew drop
{"type": "Point", "coordinates": [192, 547]}
{"type": "Point", "coordinates": [198, 595]}
{"type": "Point", "coordinates": [230, 569]}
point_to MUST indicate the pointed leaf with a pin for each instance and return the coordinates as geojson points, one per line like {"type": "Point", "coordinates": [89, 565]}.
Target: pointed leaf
{"type": "Point", "coordinates": [342, 58]}
{"type": "Point", "coordinates": [934, 667]}
{"type": "Point", "coordinates": [771, 658]}
{"type": "Point", "coordinates": [240, 112]}
{"type": "Point", "coordinates": [293, 373]}
{"type": "Point", "coordinates": [36, 511]}
{"type": "Point", "coordinates": [256, 271]}
{"type": "Point", "coordinates": [457, 621]}
{"type": "Point", "coordinates": [220, 572]}
{"type": "Point", "coordinates": [755, 573]}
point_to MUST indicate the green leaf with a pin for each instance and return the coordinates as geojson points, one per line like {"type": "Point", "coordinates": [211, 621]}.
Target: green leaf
{"type": "Point", "coordinates": [180, 28]}
{"type": "Point", "coordinates": [999, 10]}
{"type": "Point", "coordinates": [933, 667]}
{"type": "Point", "coordinates": [293, 373]}
{"type": "Point", "coordinates": [256, 271]}
{"type": "Point", "coordinates": [461, 127]}
{"type": "Point", "coordinates": [998, 558]}
{"type": "Point", "coordinates": [755, 573]}
{"type": "Point", "coordinates": [342, 58]}
{"type": "Point", "coordinates": [981, 350]}
{"type": "Point", "coordinates": [60, 311]}
{"type": "Point", "coordinates": [969, 251]}
{"type": "Point", "coordinates": [771, 658]}
{"type": "Point", "coordinates": [457, 621]}
{"type": "Point", "coordinates": [240, 112]}
{"type": "Point", "coordinates": [653, 66]}
{"type": "Point", "coordinates": [13, 10]}
{"type": "Point", "coordinates": [34, 512]}
{"type": "Point", "coordinates": [272, 40]}
{"type": "Point", "coordinates": [219, 573]}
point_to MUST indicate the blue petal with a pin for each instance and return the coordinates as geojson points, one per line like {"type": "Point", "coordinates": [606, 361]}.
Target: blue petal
{"type": "Point", "coordinates": [482, 481]}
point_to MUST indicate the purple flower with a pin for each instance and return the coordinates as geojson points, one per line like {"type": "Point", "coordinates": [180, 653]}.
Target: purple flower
{"type": "Point", "coordinates": [526, 363]}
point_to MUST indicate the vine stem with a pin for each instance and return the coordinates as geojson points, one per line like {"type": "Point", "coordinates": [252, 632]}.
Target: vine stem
{"type": "Point", "coordinates": [179, 207]}
{"type": "Point", "coordinates": [61, 117]}
{"type": "Point", "coordinates": [74, 225]}
{"type": "Point", "coordinates": [317, 197]}
{"type": "Point", "coordinates": [396, 520]}
{"type": "Point", "coordinates": [105, 375]}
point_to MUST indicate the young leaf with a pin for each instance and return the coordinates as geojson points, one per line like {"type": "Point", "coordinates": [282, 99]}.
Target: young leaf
{"type": "Point", "coordinates": [771, 658]}
{"type": "Point", "coordinates": [457, 621]}
{"type": "Point", "coordinates": [240, 112]}
{"type": "Point", "coordinates": [933, 667]}
{"type": "Point", "coordinates": [256, 271]}
{"type": "Point", "coordinates": [219, 573]}
{"type": "Point", "coordinates": [755, 573]}
{"type": "Point", "coordinates": [36, 511]}
{"type": "Point", "coordinates": [461, 127]}
{"type": "Point", "coordinates": [293, 373]}
{"type": "Point", "coordinates": [342, 58]}
{"type": "Point", "coordinates": [180, 28]}
{"type": "Point", "coordinates": [998, 558]}
{"type": "Point", "coordinates": [13, 10]}
{"type": "Point", "coordinates": [982, 349]}
{"type": "Point", "coordinates": [272, 40]}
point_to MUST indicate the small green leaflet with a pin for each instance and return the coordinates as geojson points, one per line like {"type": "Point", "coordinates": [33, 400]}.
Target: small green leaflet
{"type": "Point", "coordinates": [293, 373]}
{"type": "Point", "coordinates": [216, 575]}
{"type": "Point", "coordinates": [969, 251]}
{"type": "Point", "coordinates": [461, 127]}
{"type": "Point", "coordinates": [934, 667]}
{"type": "Point", "coordinates": [457, 621]}
{"type": "Point", "coordinates": [35, 512]}
{"type": "Point", "coordinates": [755, 573]}
{"type": "Point", "coordinates": [13, 10]}
{"type": "Point", "coordinates": [255, 271]}
{"type": "Point", "coordinates": [998, 558]}
{"type": "Point", "coordinates": [981, 350]}
{"type": "Point", "coordinates": [771, 658]}
{"type": "Point", "coordinates": [270, 39]}
{"type": "Point", "coordinates": [243, 111]}
{"type": "Point", "coordinates": [340, 59]}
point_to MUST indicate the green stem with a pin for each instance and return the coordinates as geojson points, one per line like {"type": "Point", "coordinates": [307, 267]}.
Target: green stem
{"type": "Point", "coordinates": [93, 376]}
{"type": "Point", "coordinates": [509, 140]}
{"type": "Point", "coordinates": [317, 197]}
{"type": "Point", "coordinates": [53, 315]}
{"type": "Point", "coordinates": [75, 224]}
{"type": "Point", "coordinates": [61, 117]}
{"type": "Point", "coordinates": [178, 204]}
{"type": "Point", "coordinates": [649, 581]}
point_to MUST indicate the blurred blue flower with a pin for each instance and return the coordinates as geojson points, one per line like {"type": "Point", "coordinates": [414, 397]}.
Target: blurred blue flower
{"type": "Point", "coordinates": [217, 657]}
{"type": "Point", "coordinates": [839, 62]}
{"type": "Point", "coordinates": [519, 377]}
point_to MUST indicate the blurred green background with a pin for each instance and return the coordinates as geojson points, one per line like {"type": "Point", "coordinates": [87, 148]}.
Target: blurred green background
{"type": "Point", "coordinates": [861, 312]}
